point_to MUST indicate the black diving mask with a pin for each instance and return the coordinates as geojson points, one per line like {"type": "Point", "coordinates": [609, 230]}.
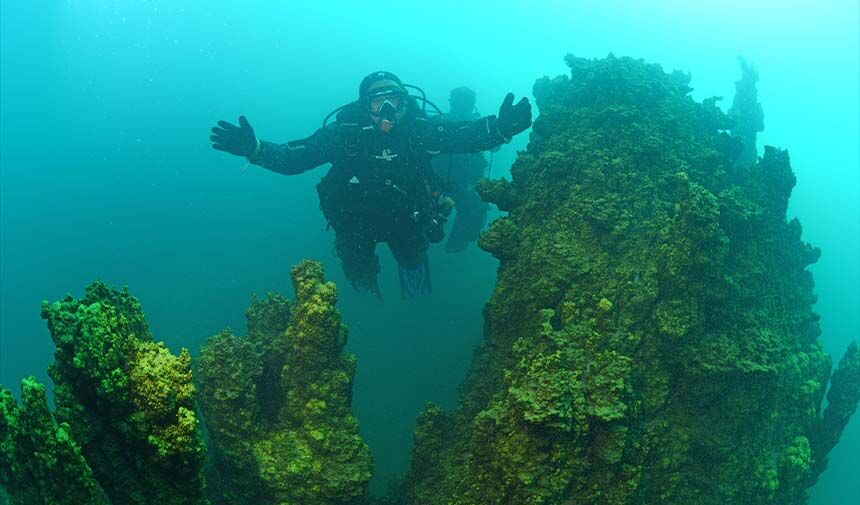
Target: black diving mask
{"type": "Point", "coordinates": [386, 106]}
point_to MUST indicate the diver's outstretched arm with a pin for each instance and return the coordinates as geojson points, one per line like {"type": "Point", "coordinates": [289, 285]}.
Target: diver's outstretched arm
{"type": "Point", "coordinates": [295, 157]}
{"type": "Point", "coordinates": [483, 134]}
{"type": "Point", "coordinates": [291, 158]}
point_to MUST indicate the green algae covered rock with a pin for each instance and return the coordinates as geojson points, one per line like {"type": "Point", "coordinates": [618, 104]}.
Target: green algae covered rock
{"type": "Point", "coordinates": [126, 400]}
{"type": "Point", "coordinates": [277, 403]}
{"type": "Point", "coordinates": [40, 462]}
{"type": "Point", "coordinates": [651, 337]}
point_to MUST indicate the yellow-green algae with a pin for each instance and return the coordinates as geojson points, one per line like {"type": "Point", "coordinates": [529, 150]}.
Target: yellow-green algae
{"type": "Point", "coordinates": [277, 406]}
{"type": "Point", "coordinates": [128, 401]}
{"type": "Point", "coordinates": [651, 337]}
{"type": "Point", "coordinates": [40, 462]}
{"type": "Point", "coordinates": [277, 403]}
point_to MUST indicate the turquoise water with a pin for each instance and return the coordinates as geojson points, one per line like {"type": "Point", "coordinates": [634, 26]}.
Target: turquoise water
{"type": "Point", "coordinates": [107, 172]}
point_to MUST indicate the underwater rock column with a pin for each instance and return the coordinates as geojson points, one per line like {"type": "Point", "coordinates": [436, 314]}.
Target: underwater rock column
{"type": "Point", "coordinates": [40, 462]}
{"type": "Point", "coordinates": [128, 401]}
{"type": "Point", "coordinates": [650, 338]}
{"type": "Point", "coordinates": [277, 403]}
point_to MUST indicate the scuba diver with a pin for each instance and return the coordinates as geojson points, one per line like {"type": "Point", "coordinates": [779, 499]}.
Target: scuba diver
{"type": "Point", "coordinates": [461, 172]}
{"type": "Point", "coordinates": [381, 186]}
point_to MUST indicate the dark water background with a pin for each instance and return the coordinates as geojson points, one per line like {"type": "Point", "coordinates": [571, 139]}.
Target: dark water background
{"type": "Point", "coordinates": [106, 170]}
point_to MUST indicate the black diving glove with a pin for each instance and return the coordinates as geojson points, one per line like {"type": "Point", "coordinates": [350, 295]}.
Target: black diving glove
{"type": "Point", "coordinates": [239, 140]}
{"type": "Point", "coordinates": [514, 119]}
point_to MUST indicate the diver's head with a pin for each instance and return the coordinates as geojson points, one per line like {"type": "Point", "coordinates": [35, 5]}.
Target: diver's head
{"type": "Point", "coordinates": [384, 97]}
{"type": "Point", "coordinates": [462, 101]}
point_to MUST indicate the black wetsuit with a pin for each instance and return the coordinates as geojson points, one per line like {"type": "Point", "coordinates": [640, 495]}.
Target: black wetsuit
{"type": "Point", "coordinates": [381, 186]}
